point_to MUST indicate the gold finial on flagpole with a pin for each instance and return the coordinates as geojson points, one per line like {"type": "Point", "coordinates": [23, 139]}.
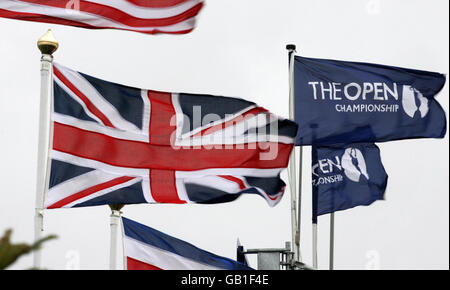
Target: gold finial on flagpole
{"type": "Point", "coordinates": [48, 44]}
{"type": "Point", "coordinates": [116, 207]}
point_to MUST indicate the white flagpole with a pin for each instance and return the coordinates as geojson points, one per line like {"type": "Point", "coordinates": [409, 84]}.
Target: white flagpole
{"type": "Point", "coordinates": [315, 221]}
{"type": "Point", "coordinates": [300, 176]}
{"type": "Point", "coordinates": [124, 254]}
{"type": "Point", "coordinates": [47, 44]}
{"type": "Point", "coordinates": [331, 266]}
{"type": "Point", "coordinates": [315, 232]}
{"type": "Point", "coordinates": [292, 161]}
{"type": "Point", "coordinates": [292, 49]}
{"type": "Point", "coordinates": [114, 225]}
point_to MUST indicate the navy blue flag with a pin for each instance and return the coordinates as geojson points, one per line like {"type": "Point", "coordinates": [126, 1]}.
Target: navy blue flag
{"type": "Point", "coordinates": [345, 177]}
{"type": "Point", "coordinates": [349, 102]}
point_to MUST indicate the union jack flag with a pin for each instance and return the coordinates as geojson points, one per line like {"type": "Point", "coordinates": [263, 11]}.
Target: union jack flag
{"type": "Point", "coordinates": [146, 248]}
{"type": "Point", "coordinates": [146, 16]}
{"type": "Point", "coordinates": [117, 144]}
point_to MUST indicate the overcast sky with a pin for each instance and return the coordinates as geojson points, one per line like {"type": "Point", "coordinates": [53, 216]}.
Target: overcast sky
{"type": "Point", "coordinates": [238, 49]}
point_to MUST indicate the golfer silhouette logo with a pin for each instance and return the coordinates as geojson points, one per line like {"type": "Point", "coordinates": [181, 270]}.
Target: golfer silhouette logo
{"type": "Point", "coordinates": [354, 164]}
{"type": "Point", "coordinates": [413, 101]}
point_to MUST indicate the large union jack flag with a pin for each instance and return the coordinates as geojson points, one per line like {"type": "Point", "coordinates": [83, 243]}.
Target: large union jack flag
{"type": "Point", "coordinates": [146, 16]}
{"type": "Point", "coordinates": [116, 144]}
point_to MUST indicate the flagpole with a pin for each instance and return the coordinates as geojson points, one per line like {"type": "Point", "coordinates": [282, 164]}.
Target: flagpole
{"type": "Point", "coordinates": [114, 225]}
{"type": "Point", "coordinates": [292, 161]}
{"type": "Point", "coordinates": [331, 241]}
{"type": "Point", "coordinates": [122, 236]}
{"type": "Point", "coordinates": [299, 220]}
{"type": "Point", "coordinates": [300, 162]}
{"type": "Point", "coordinates": [315, 231]}
{"type": "Point", "coordinates": [315, 200]}
{"type": "Point", "coordinates": [47, 44]}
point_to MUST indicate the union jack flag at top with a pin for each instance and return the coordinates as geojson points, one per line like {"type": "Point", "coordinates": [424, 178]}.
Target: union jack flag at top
{"type": "Point", "coordinates": [146, 16]}
{"type": "Point", "coordinates": [116, 144]}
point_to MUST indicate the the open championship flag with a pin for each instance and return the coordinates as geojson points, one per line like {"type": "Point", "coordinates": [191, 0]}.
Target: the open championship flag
{"type": "Point", "coordinates": [146, 16]}
{"type": "Point", "coordinates": [149, 249]}
{"type": "Point", "coordinates": [343, 102]}
{"type": "Point", "coordinates": [345, 177]}
{"type": "Point", "coordinates": [114, 144]}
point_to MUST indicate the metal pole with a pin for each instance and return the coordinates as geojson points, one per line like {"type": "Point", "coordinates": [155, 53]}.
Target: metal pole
{"type": "Point", "coordinates": [47, 44]}
{"type": "Point", "coordinates": [114, 225]}
{"type": "Point", "coordinates": [300, 160]}
{"type": "Point", "coordinates": [122, 237]}
{"type": "Point", "coordinates": [315, 263]}
{"type": "Point", "coordinates": [299, 220]}
{"type": "Point", "coordinates": [292, 161]}
{"type": "Point", "coordinates": [331, 241]}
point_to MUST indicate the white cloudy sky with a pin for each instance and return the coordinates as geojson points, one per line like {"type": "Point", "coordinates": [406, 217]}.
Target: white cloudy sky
{"type": "Point", "coordinates": [238, 49]}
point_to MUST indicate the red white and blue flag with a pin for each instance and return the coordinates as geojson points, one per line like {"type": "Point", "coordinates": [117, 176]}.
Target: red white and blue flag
{"type": "Point", "coordinates": [117, 144]}
{"type": "Point", "coordinates": [146, 16]}
{"type": "Point", "coordinates": [149, 249]}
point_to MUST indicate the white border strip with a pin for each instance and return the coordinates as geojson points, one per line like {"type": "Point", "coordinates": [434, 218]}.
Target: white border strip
{"type": "Point", "coordinates": [103, 192]}
{"type": "Point", "coordinates": [79, 161]}
{"type": "Point", "coordinates": [160, 258]}
{"type": "Point", "coordinates": [97, 128]}
{"type": "Point", "coordinates": [254, 172]}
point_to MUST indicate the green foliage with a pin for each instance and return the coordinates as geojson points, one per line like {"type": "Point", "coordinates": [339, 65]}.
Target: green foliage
{"type": "Point", "coordinates": [9, 253]}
